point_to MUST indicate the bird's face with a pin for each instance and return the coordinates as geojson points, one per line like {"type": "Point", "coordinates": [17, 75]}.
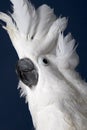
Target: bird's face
{"type": "Point", "coordinates": [32, 72]}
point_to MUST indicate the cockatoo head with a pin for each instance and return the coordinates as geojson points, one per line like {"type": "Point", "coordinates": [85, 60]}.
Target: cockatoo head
{"type": "Point", "coordinates": [37, 36]}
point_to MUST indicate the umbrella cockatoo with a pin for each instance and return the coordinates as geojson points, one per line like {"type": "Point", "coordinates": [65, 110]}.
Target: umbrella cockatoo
{"type": "Point", "coordinates": [55, 93]}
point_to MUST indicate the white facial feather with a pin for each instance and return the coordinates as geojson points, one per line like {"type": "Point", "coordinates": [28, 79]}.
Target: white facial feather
{"type": "Point", "coordinates": [59, 100]}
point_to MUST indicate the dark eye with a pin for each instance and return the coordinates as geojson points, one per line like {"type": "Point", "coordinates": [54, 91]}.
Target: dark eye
{"type": "Point", "coordinates": [45, 61]}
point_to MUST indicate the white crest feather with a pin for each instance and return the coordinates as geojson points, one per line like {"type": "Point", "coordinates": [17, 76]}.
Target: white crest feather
{"type": "Point", "coordinates": [39, 25]}
{"type": "Point", "coordinates": [35, 23]}
{"type": "Point", "coordinates": [23, 13]}
{"type": "Point", "coordinates": [67, 57]}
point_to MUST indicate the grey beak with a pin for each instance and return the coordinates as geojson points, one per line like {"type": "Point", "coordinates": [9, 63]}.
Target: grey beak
{"type": "Point", "coordinates": [27, 72]}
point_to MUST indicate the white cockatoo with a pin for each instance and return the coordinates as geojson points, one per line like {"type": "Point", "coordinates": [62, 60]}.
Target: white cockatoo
{"type": "Point", "coordinates": [55, 93]}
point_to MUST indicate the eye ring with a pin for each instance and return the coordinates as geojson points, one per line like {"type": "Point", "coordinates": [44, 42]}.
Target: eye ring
{"type": "Point", "coordinates": [44, 61]}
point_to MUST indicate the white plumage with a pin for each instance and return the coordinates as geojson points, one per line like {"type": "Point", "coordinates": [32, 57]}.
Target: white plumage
{"type": "Point", "coordinates": [59, 99]}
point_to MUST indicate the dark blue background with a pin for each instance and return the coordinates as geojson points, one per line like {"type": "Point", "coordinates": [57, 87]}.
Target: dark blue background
{"type": "Point", "coordinates": [14, 114]}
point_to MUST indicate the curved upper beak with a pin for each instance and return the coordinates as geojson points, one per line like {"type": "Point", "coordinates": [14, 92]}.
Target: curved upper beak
{"type": "Point", "coordinates": [27, 72]}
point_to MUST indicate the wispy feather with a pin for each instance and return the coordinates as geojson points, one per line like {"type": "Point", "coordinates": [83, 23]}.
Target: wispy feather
{"type": "Point", "coordinates": [67, 57]}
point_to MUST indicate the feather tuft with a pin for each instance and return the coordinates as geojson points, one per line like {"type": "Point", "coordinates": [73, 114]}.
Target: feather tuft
{"type": "Point", "coordinates": [66, 54]}
{"type": "Point", "coordinates": [23, 12]}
